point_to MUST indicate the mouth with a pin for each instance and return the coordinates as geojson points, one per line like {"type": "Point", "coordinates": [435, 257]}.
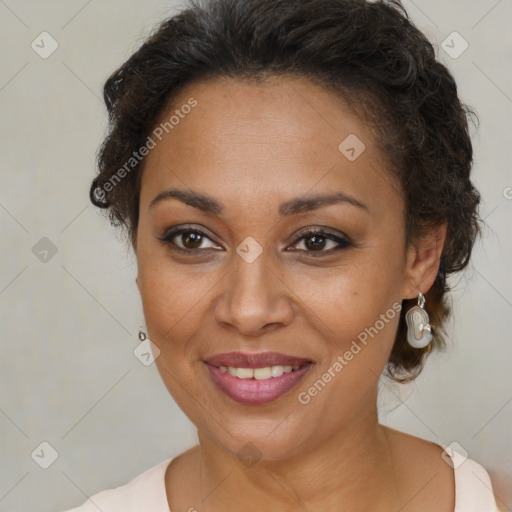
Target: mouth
{"type": "Point", "coordinates": [256, 379]}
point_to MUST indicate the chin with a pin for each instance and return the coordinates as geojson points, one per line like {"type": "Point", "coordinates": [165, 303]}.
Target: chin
{"type": "Point", "coordinates": [259, 448]}
{"type": "Point", "coordinates": [272, 439]}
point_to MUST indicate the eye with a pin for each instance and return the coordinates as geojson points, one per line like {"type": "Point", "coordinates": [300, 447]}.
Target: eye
{"type": "Point", "coordinates": [186, 239]}
{"type": "Point", "coordinates": [319, 241]}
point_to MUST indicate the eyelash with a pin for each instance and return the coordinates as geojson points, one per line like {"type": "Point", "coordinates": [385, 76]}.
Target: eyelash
{"type": "Point", "coordinates": [343, 242]}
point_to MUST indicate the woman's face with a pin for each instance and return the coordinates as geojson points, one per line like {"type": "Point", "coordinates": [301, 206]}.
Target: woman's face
{"type": "Point", "coordinates": [254, 282]}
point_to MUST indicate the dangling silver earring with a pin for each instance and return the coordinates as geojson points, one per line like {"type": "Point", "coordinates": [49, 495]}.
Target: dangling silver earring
{"type": "Point", "coordinates": [419, 331]}
{"type": "Point", "coordinates": [142, 335]}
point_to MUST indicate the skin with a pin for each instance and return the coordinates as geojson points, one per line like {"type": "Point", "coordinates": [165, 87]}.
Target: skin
{"type": "Point", "coordinates": [252, 147]}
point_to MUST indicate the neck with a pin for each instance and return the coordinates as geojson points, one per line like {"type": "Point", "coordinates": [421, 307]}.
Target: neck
{"type": "Point", "coordinates": [352, 468]}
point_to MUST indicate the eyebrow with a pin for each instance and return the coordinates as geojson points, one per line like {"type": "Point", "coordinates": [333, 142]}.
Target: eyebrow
{"type": "Point", "coordinates": [291, 207]}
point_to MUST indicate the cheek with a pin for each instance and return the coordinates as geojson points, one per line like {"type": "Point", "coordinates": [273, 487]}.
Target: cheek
{"type": "Point", "coordinates": [351, 297]}
{"type": "Point", "coordinates": [173, 307]}
{"type": "Point", "coordinates": [172, 299]}
{"type": "Point", "coordinates": [355, 309]}
{"type": "Point", "coordinates": [358, 310]}
{"type": "Point", "coordinates": [171, 293]}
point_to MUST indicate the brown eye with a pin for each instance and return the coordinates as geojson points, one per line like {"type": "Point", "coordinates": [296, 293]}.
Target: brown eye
{"type": "Point", "coordinates": [187, 239]}
{"type": "Point", "coordinates": [321, 242]}
{"type": "Point", "coordinates": [191, 240]}
{"type": "Point", "coordinates": [315, 243]}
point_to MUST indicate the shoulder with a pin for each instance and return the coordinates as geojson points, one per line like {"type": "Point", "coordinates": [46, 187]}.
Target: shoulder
{"type": "Point", "coordinates": [473, 488]}
{"type": "Point", "coordinates": [144, 492]}
{"type": "Point", "coordinates": [463, 484]}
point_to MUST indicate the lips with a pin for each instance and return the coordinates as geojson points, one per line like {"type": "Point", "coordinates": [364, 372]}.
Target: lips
{"type": "Point", "coordinates": [248, 360]}
{"type": "Point", "coordinates": [256, 391]}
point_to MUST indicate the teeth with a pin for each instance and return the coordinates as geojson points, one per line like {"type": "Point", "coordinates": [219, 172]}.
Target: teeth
{"type": "Point", "coordinates": [245, 373]}
{"type": "Point", "coordinates": [258, 373]}
{"type": "Point", "coordinates": [276, 371]}
{"type": "Point", "coordinates": [262, 373]}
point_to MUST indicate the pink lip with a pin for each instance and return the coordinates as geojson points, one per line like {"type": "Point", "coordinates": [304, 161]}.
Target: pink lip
{"type": "Point", "coordinates": [252, 391]}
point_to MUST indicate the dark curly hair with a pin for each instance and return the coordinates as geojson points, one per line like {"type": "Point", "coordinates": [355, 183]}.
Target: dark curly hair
{"type": "Point", "coordinates": [368, 53]}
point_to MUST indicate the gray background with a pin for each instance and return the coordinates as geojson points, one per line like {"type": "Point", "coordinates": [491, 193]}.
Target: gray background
{"type": "Point", "coordinates": [69, 324]}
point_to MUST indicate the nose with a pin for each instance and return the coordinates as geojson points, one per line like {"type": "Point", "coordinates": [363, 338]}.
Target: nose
{"type": "Point", "coordinates": [254, 299]}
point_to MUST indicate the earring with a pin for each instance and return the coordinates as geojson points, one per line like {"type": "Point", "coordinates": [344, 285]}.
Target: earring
{"type": "Point", "coordinates": [419, 331]}
{"type": "Point", "coordinates": [142, 335]}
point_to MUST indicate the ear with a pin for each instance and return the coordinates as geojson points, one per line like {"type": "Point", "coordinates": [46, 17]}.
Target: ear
{"type": "Point", "coordinates": [423, 258]}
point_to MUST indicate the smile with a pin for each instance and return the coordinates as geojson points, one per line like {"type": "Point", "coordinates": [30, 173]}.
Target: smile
{"type": "Point", "coordinates": [255, 379]}
{"type": "Point", "coordinates": [264, 373]}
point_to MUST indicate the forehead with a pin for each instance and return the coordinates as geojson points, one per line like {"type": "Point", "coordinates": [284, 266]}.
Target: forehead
{"type": "Point", "coordinates": [282, 136]}
{"type": "Point", "coordinates": [278, 109]}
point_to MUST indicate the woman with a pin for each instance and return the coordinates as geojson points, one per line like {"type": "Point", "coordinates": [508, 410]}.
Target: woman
{"type": "Point", "coordinates": [294, 180]}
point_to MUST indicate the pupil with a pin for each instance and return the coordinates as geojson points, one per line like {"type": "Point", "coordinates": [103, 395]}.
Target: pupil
{"type": "Point", "coordinates": [319, 242]}
{"type": "Point", "coordinates": [192, 240]}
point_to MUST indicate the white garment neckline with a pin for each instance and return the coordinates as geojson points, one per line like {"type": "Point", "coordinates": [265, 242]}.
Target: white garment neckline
{"type": "Point", "coordinates": [473, 489]}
